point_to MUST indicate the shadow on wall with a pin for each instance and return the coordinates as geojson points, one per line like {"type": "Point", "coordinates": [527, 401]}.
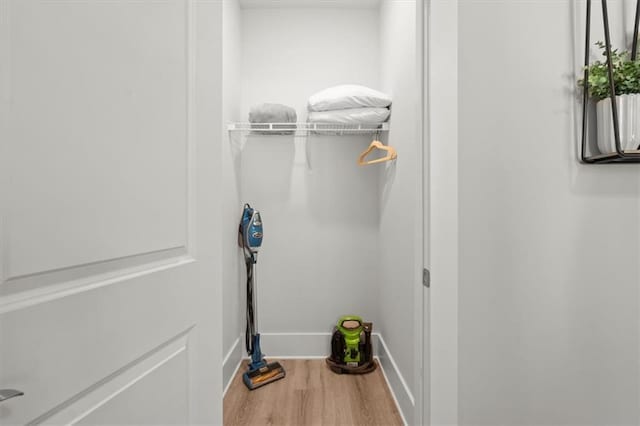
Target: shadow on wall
{"type": "Point", "coordinates": [235, 143]}
{"type": "Point", "coordinates": [265, 168]}
{"type": "Point", "coordinates": [387, 177]}
{"type": "Point", "coordinates": [339, 190]}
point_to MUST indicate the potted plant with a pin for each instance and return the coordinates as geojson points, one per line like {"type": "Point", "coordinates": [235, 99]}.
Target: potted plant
{"type": "Point", "coordinates": [626, 78]}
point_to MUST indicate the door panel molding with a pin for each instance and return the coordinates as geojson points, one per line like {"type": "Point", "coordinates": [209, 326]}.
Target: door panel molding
{"type": "Point", "coordinates": [47, 287]}
{"type": "Point", "coordinates": [76, 272]}
{"type": "Point", "coordinates": [99, 394]}
{"type": "Point", "coordinates": [190, 48]}
{"type": "Point", "coordinates": [21, 290]}
{"type": "Point", "coordinates": [17, 250]}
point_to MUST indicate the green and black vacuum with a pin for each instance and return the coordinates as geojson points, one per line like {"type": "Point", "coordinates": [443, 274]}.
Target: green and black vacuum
{"type": "Point", "coordinates": [351, 348]}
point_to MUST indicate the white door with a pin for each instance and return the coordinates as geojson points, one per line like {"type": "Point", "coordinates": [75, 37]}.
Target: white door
{"type": "Point", "coordinates": [110, 301]}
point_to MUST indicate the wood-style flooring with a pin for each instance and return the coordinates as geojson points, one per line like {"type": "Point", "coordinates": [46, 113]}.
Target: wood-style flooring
{"type": "Point", "coordinates": [311, 394]}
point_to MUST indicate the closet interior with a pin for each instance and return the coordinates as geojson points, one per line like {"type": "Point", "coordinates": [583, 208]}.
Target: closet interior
{"type": "Point", "coordinates": [339, 238]}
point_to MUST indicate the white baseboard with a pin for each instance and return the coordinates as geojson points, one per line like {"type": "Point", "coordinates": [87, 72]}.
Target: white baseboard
{"type": "Point", "coordinates": [397, 384]}
{"type": "Point", "coordinates": [230, 364]}
{"type": "Point", "coordinates": [318, 345]}
{"type": "Point", "coordinates": [295, 345]}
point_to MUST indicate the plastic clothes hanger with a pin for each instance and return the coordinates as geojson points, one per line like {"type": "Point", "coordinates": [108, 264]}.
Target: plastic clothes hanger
{"type": "Point", "coordinates": [376, 144]}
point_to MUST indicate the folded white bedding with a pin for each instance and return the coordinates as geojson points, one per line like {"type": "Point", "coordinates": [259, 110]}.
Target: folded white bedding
{"type": "Point", "coordinates": [347, 96]}
{"type": "Point", "coordinates": [350, 116]}
{"type": "Point", "coordinates": [272, 113]}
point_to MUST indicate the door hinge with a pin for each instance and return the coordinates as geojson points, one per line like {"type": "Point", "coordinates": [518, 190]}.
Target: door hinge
{"type": "Point", "coordinates": [426, 278]}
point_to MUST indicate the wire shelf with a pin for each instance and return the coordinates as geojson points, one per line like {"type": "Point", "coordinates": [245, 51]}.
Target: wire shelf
{"type": "Point", "coordinates": [304, 129]}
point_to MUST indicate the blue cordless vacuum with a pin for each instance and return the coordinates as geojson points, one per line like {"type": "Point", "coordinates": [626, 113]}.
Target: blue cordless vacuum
{"type": "Point", "coordinates": [260, 372]}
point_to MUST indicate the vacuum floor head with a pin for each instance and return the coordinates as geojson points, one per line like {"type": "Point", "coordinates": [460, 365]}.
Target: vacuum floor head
{"type": "Point", "coordinates": [271, 372]}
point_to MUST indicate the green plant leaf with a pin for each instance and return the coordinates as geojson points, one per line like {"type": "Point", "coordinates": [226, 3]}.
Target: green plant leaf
{"type": "Point", "coordinates": [626, 74]}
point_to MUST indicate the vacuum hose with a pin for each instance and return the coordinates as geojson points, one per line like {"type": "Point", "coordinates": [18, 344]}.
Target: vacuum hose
{"type": "Point", "coordinates": [250, 329]}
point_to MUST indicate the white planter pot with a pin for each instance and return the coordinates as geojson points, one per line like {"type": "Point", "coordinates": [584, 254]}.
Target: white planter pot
{"type": "Point", "coordinates": [629, 120]}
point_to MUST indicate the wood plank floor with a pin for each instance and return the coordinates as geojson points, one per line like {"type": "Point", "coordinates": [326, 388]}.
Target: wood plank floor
{"type": "Point", "coordinates": [311, 394]}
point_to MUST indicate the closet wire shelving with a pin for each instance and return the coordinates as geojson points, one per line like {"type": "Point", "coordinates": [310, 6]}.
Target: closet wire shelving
{"type": "Point", "coordinates": [306, 129]}
{"type": "Point", "coordinates": [620, 156]}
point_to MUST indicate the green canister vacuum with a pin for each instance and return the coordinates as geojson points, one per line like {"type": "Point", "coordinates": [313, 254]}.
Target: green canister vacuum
{"type": "Point", "coordinates": [351, 348]}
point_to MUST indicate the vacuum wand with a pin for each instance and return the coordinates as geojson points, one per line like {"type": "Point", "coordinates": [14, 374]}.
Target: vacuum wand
{"type": "Point", "coordinates": [254, 293]}
{"type": "Point", "coordinates": [260, 372]}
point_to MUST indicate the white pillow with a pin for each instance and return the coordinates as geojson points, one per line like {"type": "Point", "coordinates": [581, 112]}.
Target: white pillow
{"type": "Point", "coordinates": [350, 116]}
{"type": "Point", "coordinates": [347, 96]}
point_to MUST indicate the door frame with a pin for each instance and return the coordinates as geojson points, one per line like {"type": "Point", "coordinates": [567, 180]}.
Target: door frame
{"type": "Point", "coordinates": [440, 163]}
{"type": "Point", "coordinates": [421, 294]}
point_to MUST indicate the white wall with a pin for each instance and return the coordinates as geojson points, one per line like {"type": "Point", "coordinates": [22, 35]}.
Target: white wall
{"type": "Point", "coordinates": [400, 267]}
{"type": "Point", "coordinates": [319, 258]}
{"type": "Point", "coordinates": [231, 205]}
{"type": "Point", "coordinates": [290, 53]}
{"type": "Point", "coordinates": [548, 294]}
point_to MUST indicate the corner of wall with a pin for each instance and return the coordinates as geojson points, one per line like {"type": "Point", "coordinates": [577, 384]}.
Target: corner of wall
{"type": "Point", "coordinates": [230, 364]}
{"type": "Point", "coordinates": [398, 386]}
{"type": "Point", "coordinates": [230, 191]}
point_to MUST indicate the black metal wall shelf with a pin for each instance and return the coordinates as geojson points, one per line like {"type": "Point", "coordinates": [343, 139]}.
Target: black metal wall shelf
{"type": "Point", "coordinates": [629, 156]}
{"type": "Point", "coordinates": [620, 155]}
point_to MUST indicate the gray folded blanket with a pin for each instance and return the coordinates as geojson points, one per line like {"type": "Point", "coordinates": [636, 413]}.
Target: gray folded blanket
{"type": "Point", "coordinates": [273, 113]}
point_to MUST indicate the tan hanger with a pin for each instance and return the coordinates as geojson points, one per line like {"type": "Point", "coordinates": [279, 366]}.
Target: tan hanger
{"type": "Point", "coordinates": [376, 144]}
